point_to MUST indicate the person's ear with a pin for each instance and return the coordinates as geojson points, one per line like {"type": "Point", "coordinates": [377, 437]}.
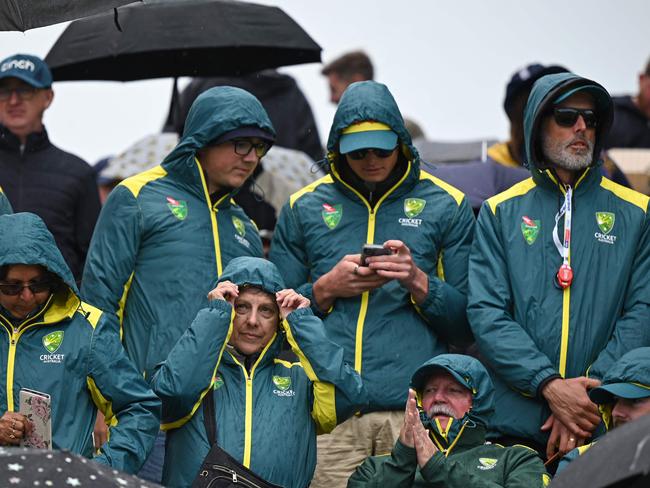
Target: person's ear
{"type": "Point", "coordinates": [49, 96]}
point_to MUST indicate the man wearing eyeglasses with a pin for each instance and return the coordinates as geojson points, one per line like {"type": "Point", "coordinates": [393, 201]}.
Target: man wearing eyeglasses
{"type": "Point", "coordinates": [165, 235]}
{"type": "Point", "coordinates": [35, 175]}
{"type": "Point", "coordinates": [558, 272]}
{"type": "Point", "coordinates": [393, 311]}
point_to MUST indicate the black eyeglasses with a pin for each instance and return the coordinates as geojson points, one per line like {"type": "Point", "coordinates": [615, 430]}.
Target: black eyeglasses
{"type": "Point", "coordinates": [567, 117]}
{"type": "Point", "coordinates": [13, 289]}
{"type": "Point", "coordinates": [243, 147]}
{"type": "Point", "coordinates": [22, 92]}
{"type": "Point", "coordinates": [361, 153]}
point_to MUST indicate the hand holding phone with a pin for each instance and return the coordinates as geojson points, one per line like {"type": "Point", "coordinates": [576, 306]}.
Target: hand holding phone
{"type": "Point", "coordinates": [373, 250]}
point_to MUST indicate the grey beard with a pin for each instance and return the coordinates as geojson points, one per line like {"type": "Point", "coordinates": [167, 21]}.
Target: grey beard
{"type": "Point", "coordinates": [441, 408]}
{"type": "Point", "coordinates": [559, 155]}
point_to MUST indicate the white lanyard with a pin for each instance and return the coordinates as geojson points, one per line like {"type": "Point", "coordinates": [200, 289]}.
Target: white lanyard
{"type": "Point", "coordinates": [565, 273]}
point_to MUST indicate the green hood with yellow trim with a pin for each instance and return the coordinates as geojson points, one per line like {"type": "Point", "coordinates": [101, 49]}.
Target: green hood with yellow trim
{"type": "Point", "coordinates": [545, 91]}
{"type": "Point", "coordinates": [24, 239]}
{"type": "Point", "coordinates": [471, 374]}
{"type": "Point", "coordinates": [370, 101]}
{"type": "Point", "coordinates": [253, 271]}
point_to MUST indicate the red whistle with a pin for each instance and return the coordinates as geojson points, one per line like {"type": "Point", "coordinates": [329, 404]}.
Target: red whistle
{"type": "Point", "coordinates": [565, 276]}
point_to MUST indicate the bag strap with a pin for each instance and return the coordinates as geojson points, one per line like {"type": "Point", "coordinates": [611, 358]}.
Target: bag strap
{"type": "Point", "coordinates": [209, 418]}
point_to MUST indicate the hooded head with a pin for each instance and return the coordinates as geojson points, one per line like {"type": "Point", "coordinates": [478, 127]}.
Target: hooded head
{"type": "Point", "coordinates": [368, 117]}
{"type": "Point", "coordinates": [25, 240]}
{"type": "Point", "coordinates": [469, 374]}
{"type": "Point", "coordinates": [256, 319]}
{"type": "Point", "coordinates": [625, 390]}
{"type": "Point", "coordinates": [219, 115]}
{"type": "Point", "coordinates": [547, 93]}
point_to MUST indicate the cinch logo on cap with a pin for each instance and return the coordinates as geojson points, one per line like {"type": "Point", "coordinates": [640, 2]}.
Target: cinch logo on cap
{"type": "Point", "coordinates": [25, 64]}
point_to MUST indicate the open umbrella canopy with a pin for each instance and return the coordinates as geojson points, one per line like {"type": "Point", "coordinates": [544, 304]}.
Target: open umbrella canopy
{"type": "Point", "coordinates": [171, 38]}
{"type": "Point", "coordinates": [21, 15]}
{"type": "Point", "coordinates": [620, 459]}
{"type": "Point", "coordinates": [22, 467]}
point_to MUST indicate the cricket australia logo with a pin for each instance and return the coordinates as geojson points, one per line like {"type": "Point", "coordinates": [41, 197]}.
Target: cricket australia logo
{"type": "Point", "coordinates": [52, 342]}
{"type": "Point", "coordinates": [487, 463]}
{"type": "Point", "coordinates": [529, 229]}
{"type": "Point", "coordinates": [605, 221]}
{"type": "Point", "coordinates": [178, 208]}
{"type": "Point", "coordinates": [332, 214]}
{"type": "Point", "coordinates": [240, 228]}
{"type": "Point", "coordinates": [412, 208]}
{"type": "Point", "coordinates": [283, 386]}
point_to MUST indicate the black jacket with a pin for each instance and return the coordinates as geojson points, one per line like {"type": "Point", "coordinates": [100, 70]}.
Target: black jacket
{"type": "Point", "coordinates": [55, 185]}
{"type": "Point", "coordinates": [631, 127]}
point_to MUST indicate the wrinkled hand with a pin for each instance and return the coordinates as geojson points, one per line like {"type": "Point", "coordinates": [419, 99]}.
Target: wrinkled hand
{"type": "Point", "coordinates": [401, 267]}
{"type": "Point", "coordinates": [100, 433]}
{"type": "Point", "coordinates": [406, 432]}
{"type": "Point", "coordinates": [289, 300]}
{"type": "Point", "coordinates": [13, 427]}
{"type": "Point", "coordinates": [346, 279]}
{"type": "Point", "coordinates": [424, 446]}
{"type": "Point", "coordinates": [561, 440]}
{"type": "Point", "coordinates": [225, 290]}
{"type": "Point", "coordinates": [571, 405]}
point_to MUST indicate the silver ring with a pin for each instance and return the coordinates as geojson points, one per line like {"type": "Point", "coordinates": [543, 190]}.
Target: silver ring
{"type": "Point", "coordinates": [572, 439]}
{"type": "Point", "coordinates": [12, 436]}
{"type": "Point", "coordinates": [356, 269]}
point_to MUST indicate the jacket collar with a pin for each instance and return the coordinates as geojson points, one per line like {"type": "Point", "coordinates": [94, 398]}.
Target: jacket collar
{"type": "Point", "coordinates": [460, 435]}
{"type": "Point", "coordinates": [36, 141]}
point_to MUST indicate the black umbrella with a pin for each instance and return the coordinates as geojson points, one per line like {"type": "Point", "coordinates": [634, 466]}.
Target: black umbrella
{"type": "Point", "coordinates": [21, 15]}
{"type": "Point", "coordinates": [180, 38]}
{"type": "Point", "coordinates": [620, 459]}
{"type": "Point", "coordinates": [21, 467]}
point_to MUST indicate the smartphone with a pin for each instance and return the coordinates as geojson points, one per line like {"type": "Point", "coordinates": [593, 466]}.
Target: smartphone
{"type": "Point", "coordinates": [37, 407]}
{"type": "Point", "coordinates": [373, 250]}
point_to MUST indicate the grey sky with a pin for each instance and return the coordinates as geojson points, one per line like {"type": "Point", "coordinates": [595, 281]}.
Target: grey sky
{"type": "Point", "coordinates": [446, 62]}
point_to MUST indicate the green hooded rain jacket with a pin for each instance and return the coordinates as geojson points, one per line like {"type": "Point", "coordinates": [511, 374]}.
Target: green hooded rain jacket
{"type": "Point", "coordinates": [464, 458]}
{"type": "Point", "coordinates": [267, 418]}
{"type": "Point", "coordinates": [384, 334]}
{"type": "Point", "coordinates": [528, 329]}
{"type": "Point", "coordinates": [160, 242]}
{"type": "Point", "coordinates": [70, 351]}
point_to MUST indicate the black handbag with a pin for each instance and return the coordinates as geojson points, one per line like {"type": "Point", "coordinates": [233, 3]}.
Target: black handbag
{"type": "Point", "coordinates": [219, 469]}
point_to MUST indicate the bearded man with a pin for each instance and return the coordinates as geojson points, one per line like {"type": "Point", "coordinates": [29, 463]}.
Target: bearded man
{"type": "Point", "coordinates": [558, 272]}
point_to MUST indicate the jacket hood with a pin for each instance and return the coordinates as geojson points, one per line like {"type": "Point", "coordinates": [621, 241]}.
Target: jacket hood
{"type": "Point", "coordinates": [470, 373]}
{"type": "Point", "coordinates": [253, 271]}
{"type": "Point", "coordinates": [24, 239]}
{"type": "Point", "coordinates": [545, 91]}
{"type": "Point", "coordinates": [369, 101]}
{"type": "Point", "coordinates": [215, 112]}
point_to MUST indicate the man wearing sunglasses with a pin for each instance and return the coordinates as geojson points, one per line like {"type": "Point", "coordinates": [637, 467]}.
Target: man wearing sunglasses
{"type": "Point", "coordinates": [558, 272]}
{"type": "Point", "coordinates": [393, 311]}
{"type": "Point", "coordinates": [165, 235]}
{"type": "Point", "coordinates": [37, 176]}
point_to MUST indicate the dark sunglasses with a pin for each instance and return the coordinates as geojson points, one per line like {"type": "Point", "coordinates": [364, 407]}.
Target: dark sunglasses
{"type": "Point", "coordinates": [244, 147]}
{"type": "Point", "coordinates": [361, 153]}
{"type": "Point", "coordinates": [13, 289]}
{"type": "Point", "coordinates": [22, 92]}
{"type": "Point", "coordinates": [567, 117]}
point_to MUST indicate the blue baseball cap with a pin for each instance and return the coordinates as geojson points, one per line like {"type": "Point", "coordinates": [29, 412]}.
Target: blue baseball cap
{"type": "Point", "coordinates": [367, 135]}
{"type": "Point", "coordinates": [613, 391]}
{"type": "Point", "coordinates": [31, 69]}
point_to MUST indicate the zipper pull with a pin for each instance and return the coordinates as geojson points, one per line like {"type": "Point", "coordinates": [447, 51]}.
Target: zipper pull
{"type": "Point", "coordinates": [234, 477]}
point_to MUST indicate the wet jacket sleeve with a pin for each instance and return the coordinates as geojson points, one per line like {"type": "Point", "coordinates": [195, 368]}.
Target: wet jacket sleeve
{"type": "Point", "coordinates": [446, 303]}
{"type": "Point", "coordinates": [131, 408]}
{"type": "Point", "coordinates": [113, 251]}
{"type": "Point", "coordinates": [396, 470]}
{"type": "Point", "coordinates": [524, 470]}
{"type": "Point", "coordinates": [337, 387]}
{"type": "Point", "coordinates": [5, 206]}
{"type": "Point", "coordinates": [288, 253]}
{"type": "Point", "coordinates": [87, 209]}
{"type": "Point", "coordinates": [632, 329]}
{"type": "Point", "coordinates": [505, 345]}
{"type": "Point", "coordinates": [180, 383]}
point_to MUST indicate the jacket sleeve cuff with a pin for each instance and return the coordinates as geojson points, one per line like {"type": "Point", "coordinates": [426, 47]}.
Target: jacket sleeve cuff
{"type": "Point", "coordinates": [404, 455]}
{"type": "Point", "coordinates": [549, 377]}
{"type": "Point", "coordinates": [220, 305]}
{"type": "Point", "coordinates": [433, 469]}
{"type": "Point", "coordinates": [433, 304]}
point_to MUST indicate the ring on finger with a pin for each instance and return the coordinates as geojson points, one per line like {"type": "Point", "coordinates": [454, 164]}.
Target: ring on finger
{"type": "Point", "coordinates": [572, 439]}
{"type": "Point", "coordinates": [356, 270]}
